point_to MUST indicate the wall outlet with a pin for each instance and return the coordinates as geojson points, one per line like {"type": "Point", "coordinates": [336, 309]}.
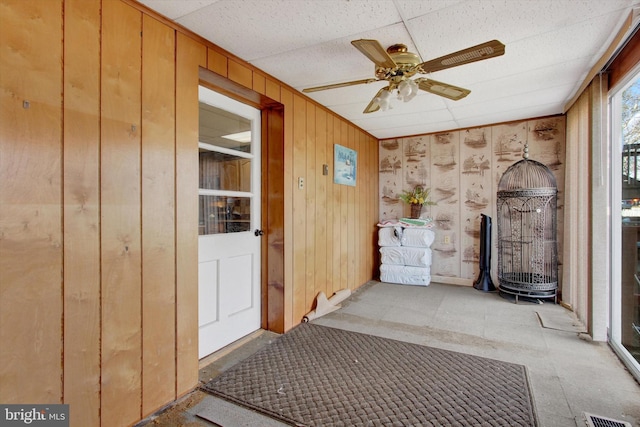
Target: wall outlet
{"type": "Point", "coordinates": [447, 239]}
{"type": "Point", "coordinates": [300, 183]}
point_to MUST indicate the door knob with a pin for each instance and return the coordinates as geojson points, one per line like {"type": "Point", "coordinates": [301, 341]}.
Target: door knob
{"type": "Point", "coordinates": [258, 232]}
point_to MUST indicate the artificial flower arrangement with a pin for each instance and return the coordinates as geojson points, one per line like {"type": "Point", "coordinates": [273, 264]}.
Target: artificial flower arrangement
{"type": "Point", "coordinates": [418, 196]}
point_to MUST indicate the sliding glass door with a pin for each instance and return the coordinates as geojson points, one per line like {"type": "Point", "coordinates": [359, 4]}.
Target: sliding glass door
{"type": "Point", "coordinates": [625, 219]}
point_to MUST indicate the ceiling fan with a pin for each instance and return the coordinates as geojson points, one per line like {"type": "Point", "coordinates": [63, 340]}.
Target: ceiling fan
{"type": "Point", "coordinates": [397, 65]}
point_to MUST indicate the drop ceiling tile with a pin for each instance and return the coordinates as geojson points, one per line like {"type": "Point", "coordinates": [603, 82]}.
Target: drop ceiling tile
{"type": "Point", "coordinates": [411, 9]}
{"type": "Point", "coordinates": [527, 56]}
{"type": "Point", "coordinates": [565, 74]}
{"type": "Point", "coordinates": [253, 29]}
{"type": "Point", "coordinates": [532, 100]}
{"type": "Point", "coordinates": [404, 119]}
{"type": "Point", "coordinates": [360, 95]}
{"type": "Point", "coordinates": [418, 129]}
{"type": "Point", "coordinates": [174, 9]}
{"type": "Point", "coordinates": [400, 111]}
{"type": "Point", "coordinates": [380, 123]}
{"type": "Point", "coordinates": [490, 118]}
{"type": "Point", "coordinates": [330, 62]}
{"type": "Point", "coordinates": [475, 21]}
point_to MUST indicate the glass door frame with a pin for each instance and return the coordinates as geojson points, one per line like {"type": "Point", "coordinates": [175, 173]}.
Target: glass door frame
{"type": "Point", "coordinates": [615, 161]}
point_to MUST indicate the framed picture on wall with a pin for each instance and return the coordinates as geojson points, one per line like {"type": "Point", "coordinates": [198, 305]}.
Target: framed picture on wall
{"type": "Point", "coordinates": [345, 165]}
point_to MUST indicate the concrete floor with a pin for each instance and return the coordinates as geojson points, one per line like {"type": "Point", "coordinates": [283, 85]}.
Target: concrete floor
{"type": "Point", "coordinates": [569, 374]}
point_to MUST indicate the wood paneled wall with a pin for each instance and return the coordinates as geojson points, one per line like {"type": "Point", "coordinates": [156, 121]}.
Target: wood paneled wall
{"type": "Point", "coordinates": [31, 240]}
{"type": "Point", "coordinates": [81, 210]}
{"type": "Point", "coordinates": [98, 205]}
{"type": "Point", "coordinates": [332, 226]}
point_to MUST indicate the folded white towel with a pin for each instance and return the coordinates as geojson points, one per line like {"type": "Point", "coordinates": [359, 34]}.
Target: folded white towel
{"type": "Point", "coordinates": [418, 237]}
{"type": "Point", "coordinates": [389, 236]}
{"type": "Point", "coordinates": [404, 255]}
{"type": "Point", "coordinates": [405, 275]}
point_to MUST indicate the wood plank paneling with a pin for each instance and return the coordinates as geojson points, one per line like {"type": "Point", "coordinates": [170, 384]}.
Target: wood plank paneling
{"type": "Point", "coordinates": [373, 210]}
{"type": "Point", "coordinates": [274, 218]}
{"type": "Point", "coordinates": [30, 201]}
{"type": "Point", "coordinates": [357, 203]}
{"type": "Point", "coordinates": [217, 62]}
{"type": "Point", "coordinates": [626, 60]}
{"type": "Point", "coordinates": [322, 181]}
{"type": "Point", "coordinates": [361, 207]}
{"type": "Point", "coordinates": [189, 55]}
{"type": "Point", "coordinates": [240, 74]}
{"type": "Point", "coordinates": [158, 215]}
{"type": "Point", "coordinates": [336, 208]}
{"type": "Point", "coordinates": [120, 212]}
{"type": "Point", "coordinates": [287, 101]}
{"type": "Point", "coordinates": [371, 214]}
{"type": "Point", "coordinates": [272, 90]}
{"type": "Point", "coordinates": [359, 200]}
{"type": "Point", "coordinates": [310, 203]}
{"type": "Point", "coordinates": [344, 218]}
{"type": "Point", "coordinates": [350, 231]}
{"type": "Point", "coordinates": [82, 211]}
{"type": "Point", "coordinates": [259, 83]}
{"type": "Point", "coordinates": [299, 208]}
{"type": "Point", "coordinates": [329, 205]}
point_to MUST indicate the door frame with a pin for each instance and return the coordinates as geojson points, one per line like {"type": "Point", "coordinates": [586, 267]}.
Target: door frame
{"type": "Point", "coordinates": [229, 300]}
{"type": "Point", "coordinates": [614, 164]}
{"type": "Point", "coordinates": [272, 270]}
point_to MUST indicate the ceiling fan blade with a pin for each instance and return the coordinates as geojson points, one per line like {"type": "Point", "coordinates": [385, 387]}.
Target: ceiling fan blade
{"type": "Point", "coordinates": [443, 89]}
{"type": "Point", "coordinates": [373, 105]}
{"type": "Point", "coordinates": [337, 85]}
{"type": "Point", "coordinates": [480, 52]}
{"type": "Point", "coordinates": [373, 50]}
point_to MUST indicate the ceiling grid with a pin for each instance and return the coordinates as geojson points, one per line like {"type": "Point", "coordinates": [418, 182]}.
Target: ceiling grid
{"type": "Point", "coordinates": [551, 47]}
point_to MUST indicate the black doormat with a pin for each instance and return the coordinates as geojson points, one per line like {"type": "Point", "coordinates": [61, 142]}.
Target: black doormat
{"type": "Point", "coordinates": [319, 376]}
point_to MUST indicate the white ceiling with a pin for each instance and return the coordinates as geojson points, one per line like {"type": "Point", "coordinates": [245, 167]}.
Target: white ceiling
{"type": "Point", "coordinates": [550, 47]}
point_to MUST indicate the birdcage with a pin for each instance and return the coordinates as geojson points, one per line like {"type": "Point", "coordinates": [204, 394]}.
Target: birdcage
{"type": "Point", "coordinates": [527, 231]}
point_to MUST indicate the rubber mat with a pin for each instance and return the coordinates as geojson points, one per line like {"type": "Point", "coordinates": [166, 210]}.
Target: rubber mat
{"type": "Point", "coordinates": [319, 376]}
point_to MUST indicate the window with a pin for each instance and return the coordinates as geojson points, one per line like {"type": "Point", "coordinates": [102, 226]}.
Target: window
{"type": "Point", "coordinates": [225, 172]}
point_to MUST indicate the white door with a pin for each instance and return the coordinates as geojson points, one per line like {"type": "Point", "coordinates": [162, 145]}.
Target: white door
{"type": "Point", "coordinates": [229, 221]}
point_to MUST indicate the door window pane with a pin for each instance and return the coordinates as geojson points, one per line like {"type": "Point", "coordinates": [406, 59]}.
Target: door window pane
{"type": "Point", "coordinates": [224, 129]}
{"type": "Point", "coordinates": [225, 171]}
{"type": "Point", "coordinates": [222, 214]}
{"type": "Point", "coordinates": [221, 171]}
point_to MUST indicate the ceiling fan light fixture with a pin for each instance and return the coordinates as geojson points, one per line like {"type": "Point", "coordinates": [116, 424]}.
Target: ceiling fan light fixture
{"type": "Point", "coordinates": [384, 100]}
{"type": "Point", "coordinates": [397, 65]}
{"type": "Point", "coordinates": [407, 90]}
